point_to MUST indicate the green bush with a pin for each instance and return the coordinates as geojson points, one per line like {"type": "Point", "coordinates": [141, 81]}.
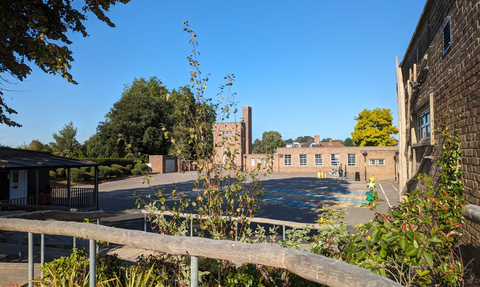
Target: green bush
{"type": "Point", "coordinates": [135, 171]}
{"type": "Point", "coordinates": [119, 170]}
{"type": "Point", "coordinates": [76, 174]}
{"type": "Point", "coordinates": [129, 167]}
{"type": "Point", "coordinates": [87, 176]}
{"type": "Point", "coordinates": [61, 173]}
{"type": "Point", "coordinates": [85, 168]}
{"type": "Point", "coordinates": [141, 167]}
{"type": "Point", "coordinates": [52, 174]}
{"type": "Point", "coordinates": [105, 172]}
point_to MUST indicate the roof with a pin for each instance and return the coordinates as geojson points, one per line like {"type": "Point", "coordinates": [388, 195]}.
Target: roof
{"type": "Point", "coordinates": [331, 144]}
{"type": "Point", "coordinates": [11, 159]}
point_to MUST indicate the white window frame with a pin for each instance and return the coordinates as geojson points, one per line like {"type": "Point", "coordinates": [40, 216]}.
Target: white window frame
{"type": "Point", "coordinates": [252, 162]}
{"type": "Point", "coordinates": [351, 162]}
{"type": "Point", "coordinates": [372, 162]}
{"type": "Point", "coordinates": [381, 161]}
{"type": "Point", "coordinates": [423, 125]}
{"type": "Point", "coordinates": [302, 160]}
{"type": "Point", "coordinates": [334, 159]}
{"type": "Point", "coordinates": [318, 160]}
{"type": "Point", "coordinates": [287, 160]}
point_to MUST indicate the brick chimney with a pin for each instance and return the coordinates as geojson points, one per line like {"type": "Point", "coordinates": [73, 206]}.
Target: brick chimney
{"type": "Point", "coordinates": [316, 138]}
{"type": "Point", "coordinates": [330, 141]}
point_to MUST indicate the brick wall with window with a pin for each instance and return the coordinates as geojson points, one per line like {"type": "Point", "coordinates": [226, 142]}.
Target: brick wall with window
{"type": "Point", "coordinates": [448, 35]}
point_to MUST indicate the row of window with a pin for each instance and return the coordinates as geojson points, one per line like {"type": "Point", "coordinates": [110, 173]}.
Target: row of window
{"type": "Point", "coordinates": [334, 160]}
{"type": "Point", "coordinates": [227, 133]}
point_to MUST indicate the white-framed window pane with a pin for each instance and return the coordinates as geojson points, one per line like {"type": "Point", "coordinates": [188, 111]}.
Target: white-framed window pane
{"type": "Point", "coordinates": [302, 159]}
{"type": "Point", "coordinates": [371, 162]}
{"type": "Point", "coordinates": [352, 159]}
{"type": "Point", "coordinates": [334, 159]}
{"type": "Point", "coordinates": [424, 125]}
{"type": "Point", "coordinates": [318, 160]}
{"type": "Point", "coordinates": [14, 179]}
{"type": "Point", "coordinates": [287, 160]}
{"type": "Point", "coordinates": [252, 162]}
{"type": "Point", "coordinates": [381, 162]}
{"type": "Point", "coordinates": [259, 160]}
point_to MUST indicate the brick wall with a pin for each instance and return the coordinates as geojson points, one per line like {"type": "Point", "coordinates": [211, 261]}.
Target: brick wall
{"type": "Point", "coordinates": [386, 171]}
{"type": "Point", "coordinates": [232, 136]}
{"type": "Point", "coordinates": [453, 83]}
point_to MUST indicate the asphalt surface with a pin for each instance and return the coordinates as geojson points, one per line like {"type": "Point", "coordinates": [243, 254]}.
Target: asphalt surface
{"type": "Point", "coordinates": [118, 199]}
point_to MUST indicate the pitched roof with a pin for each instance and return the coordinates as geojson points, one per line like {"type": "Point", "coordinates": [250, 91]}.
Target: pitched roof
{"type": "Point", "coordinates": [11, 159]}
{"type": "Point", "coordinates": [331, 144]}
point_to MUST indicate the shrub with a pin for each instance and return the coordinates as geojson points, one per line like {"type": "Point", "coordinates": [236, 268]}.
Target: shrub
{"type": "Point", "coordinates": [141, 167]}
{"type": "Point", "coordinates": [87, 176]}
{"type": "Point", "coordinates": [76, 174]}
{"type": "Point", "coordinates": [61, 173]}
{"type": "Point", "coordinates": [118, 169]}
{"type": "Point", "coordinates": [110, 161]}
{"type": "Point", "coordinates": [105, 172]}
{"type": "Point", "coordinates": [52, 174]}
{"type": "Point", "coordinates": [85, 168]}
{"type": "Point", "coordinates": [135, 171]}
{"type": "Point", "coordinates": [129, 167]}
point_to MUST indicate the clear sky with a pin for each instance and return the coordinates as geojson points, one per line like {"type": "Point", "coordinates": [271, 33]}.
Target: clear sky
{"type": "Point", "coordinates": [305, 67]}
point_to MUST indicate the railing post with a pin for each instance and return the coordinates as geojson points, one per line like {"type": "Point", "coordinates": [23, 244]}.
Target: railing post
{"type": "Point", "coordinates": [145, 222]}
{"type": "Point", "coordinates": [30, 259]}
{"type": "Point", "coordinates": [42, 253]}
{"type": "Point", "coordinates": [68, 189]}
{"type": "Point", "coordinates": [284, 232]}
{"type": "Point", "coordinates": [98, 247]}
{"type": "Point", "coordinates": [193, 262]}
{"type": "Point", "coordinates": [20, 250]}
{"type": "Point", "coordinates": [193, 271]}
{"type": "Point", "coordinates": [74, 243]}
{"type": "Point", "coordinates": [92, 263]}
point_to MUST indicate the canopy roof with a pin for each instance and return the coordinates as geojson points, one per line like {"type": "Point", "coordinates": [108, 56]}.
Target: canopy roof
{"type": "Point", "coordinates": [26, 159]}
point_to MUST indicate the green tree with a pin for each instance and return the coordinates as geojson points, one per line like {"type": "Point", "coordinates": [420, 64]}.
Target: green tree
{"type": "Point", "coordinates": [325, 140]}
{"type": "Point", "coordinates": [374, 128]}
{"type": "Point", "coordinates": [66, 143]}
{"type": "Point", "coordinates": [303, 139]}
{"type": "Point", "coordinates": [37, 145]}
{"type": "Point", "coordinates": [270, 142]}
{"type": "Point", "coordinates": [348, 142]}
{"type": "Point", "coordinates": [36, 33]}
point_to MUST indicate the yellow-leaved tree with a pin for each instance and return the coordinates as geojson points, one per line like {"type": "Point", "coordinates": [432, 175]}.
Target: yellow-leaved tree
{"type": "Point", "coordinates": [374, 128]}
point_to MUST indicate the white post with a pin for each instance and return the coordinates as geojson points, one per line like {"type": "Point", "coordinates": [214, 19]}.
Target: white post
{"type": "Point", "coordinates": [30, 259]}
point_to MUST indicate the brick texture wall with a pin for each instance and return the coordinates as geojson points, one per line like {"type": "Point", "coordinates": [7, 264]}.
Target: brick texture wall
{"type": "Point", "coordinates": [453, 81]}
{"type": "Point", "coordinates": [386, 171]}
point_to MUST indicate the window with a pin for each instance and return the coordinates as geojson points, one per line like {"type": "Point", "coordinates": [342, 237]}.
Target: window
{"type": "Point", "coordinates": [259, 160]}
{"type": "Point", "coordinates": [15, 179]}
{"type": "Point", "coordinates": [334, 159]}
{"type": "Point", "coordinates": [381, 162]}
{"type": "Point", "coordinates": [424, 125]}
{"type": "Point", "coordinates": [318, 160]}
{"type": "Point", "coordinates": [447, 36]}
{"type": "Point", "coordinates": [352, 159]}
{"type": "Point", "coordinates": [302, 159]}
{"type": "Point", "coordinates": [371, 162]}
{"type": "Point", "coordinates": [287, 160]}
{"type": "Point", "coordinates": [252, 162]}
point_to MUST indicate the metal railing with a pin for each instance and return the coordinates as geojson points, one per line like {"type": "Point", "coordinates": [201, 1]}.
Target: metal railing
{"type": "Point", "coordinates": [79, 197]}
{"type": "Point", "coordinates": [30, 200]}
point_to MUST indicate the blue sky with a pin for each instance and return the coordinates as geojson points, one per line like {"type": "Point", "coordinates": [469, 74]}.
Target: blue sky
{"type": "Point", "coordinates": [305, 67]}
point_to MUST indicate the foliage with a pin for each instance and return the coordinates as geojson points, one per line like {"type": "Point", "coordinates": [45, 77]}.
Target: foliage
{"type": "Point", "coordinates": [36, 33]}
{"type": "Point", "coordinates": [374, 128]}
{"type": "Point", "coordinates": [36, 145]}
{"type": "Point", "coordinates": [105, 172]}
{"type": "Point", "coordinates": [269, 143]}
{"type": "Point", "coordinates": [61, 173]}
{"type": "Point", "coordinates": [303, 139]}
{"type": "Point", "coordinates": [52, 174]}
{"type": "Point", "coordinates": [66, 143]}
{"type": "Point", "coordinates": [76, 174]}
{"type": "Point", "coordinates": [348, 142]}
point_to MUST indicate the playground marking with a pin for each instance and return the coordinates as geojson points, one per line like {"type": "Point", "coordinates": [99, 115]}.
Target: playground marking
{"type": "Point", "coordinates": [388, 201]}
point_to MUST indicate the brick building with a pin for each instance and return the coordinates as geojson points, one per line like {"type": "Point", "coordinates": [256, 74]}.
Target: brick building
{"type": "Point", "coordinates": [438, 81]}
{"type": "Point", "coordinates": [234, 136]}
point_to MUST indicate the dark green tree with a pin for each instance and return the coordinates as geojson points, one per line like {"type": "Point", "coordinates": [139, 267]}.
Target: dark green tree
{"type": "Point", "coordinates": [36, 33]}
{"type": "Point", "coordinates": [37, 145]}
{"type": "Point", "coordinates": [66, 143]}
{"type": "Point", "coordinates": [348, 142]}
{"type": "Point", "coordinates": [271, 140]}
{"type": "Point", "coordinates": [303, 139]}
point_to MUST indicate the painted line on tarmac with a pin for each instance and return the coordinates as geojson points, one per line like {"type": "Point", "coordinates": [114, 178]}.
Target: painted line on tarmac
{"type": "Point", "coordinates": [388, 201]}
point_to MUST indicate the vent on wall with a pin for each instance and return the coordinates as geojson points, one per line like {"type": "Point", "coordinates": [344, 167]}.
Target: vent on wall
{"type": "Point", "coordinates": [447, 36]}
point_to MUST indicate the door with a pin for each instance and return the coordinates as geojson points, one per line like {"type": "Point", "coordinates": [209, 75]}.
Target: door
{"type": "Point", "coordinates": [4, 185]}
{"type": "Point", "coordinates": [170, 165]}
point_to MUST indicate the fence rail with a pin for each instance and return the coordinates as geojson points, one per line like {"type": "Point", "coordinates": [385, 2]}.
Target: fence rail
{"type": "Point", "coordinates": [310, 266]}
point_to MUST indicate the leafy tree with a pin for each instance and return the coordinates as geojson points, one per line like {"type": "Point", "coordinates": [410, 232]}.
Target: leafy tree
{"type": "Point", "coordinates": [269, 143]}
{"type": "Point", "coordinates": [36, 145]}
{"type": "Point", "coordinates": [35, 33]}
{"type": "Point", "coordinates": [374, 128]}
{"type": "Point", "coordinates": [290, 140]}
{"type": "Point", "coordinates": [66, 143]}
{"type": "Point", "coordinates": [348, 142]}
{"type": "Point", "coordinates": [303, 139]}
{"type": "Point", "coordinates": [325, 140]}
